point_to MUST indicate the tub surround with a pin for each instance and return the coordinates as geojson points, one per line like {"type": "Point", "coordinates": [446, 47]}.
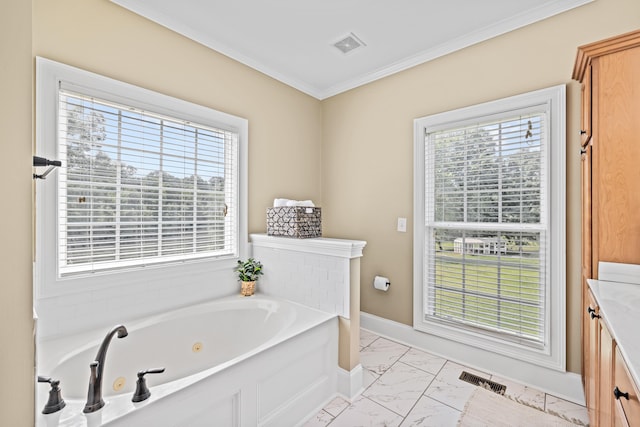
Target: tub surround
{"type": "Point", "coordinates": [274, 364]}
{"type": "Point", "coordinates": [323, 273]}
{"type": "Point", "coordinates": [275, 381]}
{"type": "Point", "coordinates": [91, 308]}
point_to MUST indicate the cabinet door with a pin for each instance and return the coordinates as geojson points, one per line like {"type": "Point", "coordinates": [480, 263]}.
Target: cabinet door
{"type": "Point", "coordinates": [590, 353]}
{"type": "Point", "coordinates": [586, 255]}
{"type": "Point", "coordinates": [616, 150]}
{"type": "Point", "coordinates": [585, 179]}
{"type": "Point", "coordinates": [605, 377]}
{"type": "Point", "coordinates": [619, 419]}
{"type": "Point", "coordinates": [585, 118]}
{"type": "Point", "coordinates": [627, 403]}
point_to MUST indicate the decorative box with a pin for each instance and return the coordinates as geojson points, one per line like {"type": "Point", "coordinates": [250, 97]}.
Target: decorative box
{"type": "Point", "coordinates": [294, 221]}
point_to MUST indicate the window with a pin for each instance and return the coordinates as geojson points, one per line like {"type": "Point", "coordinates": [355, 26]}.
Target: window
{"type": "Point", "coordinates": [148, 181]}
{"type": "Point", "coordinates": [491, 211]}
{"type": "Point", "coordinates": [140, 188]}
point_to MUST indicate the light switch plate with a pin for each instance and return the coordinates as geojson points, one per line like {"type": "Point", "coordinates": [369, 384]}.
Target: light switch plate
{"type": "Point", "coordinates": [402, 225]}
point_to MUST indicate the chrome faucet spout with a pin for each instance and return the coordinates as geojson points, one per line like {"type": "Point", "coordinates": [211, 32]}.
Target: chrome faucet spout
{"type": "Point", "coordinates": [94, 395]}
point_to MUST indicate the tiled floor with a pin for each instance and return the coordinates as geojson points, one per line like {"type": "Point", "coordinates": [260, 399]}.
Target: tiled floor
{"type": "Point", "coordinates": [405, 386]}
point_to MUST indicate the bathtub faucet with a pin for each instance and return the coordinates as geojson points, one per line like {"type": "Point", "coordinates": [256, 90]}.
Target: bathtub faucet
{"type": "Point", "coordinates": [94, 395]}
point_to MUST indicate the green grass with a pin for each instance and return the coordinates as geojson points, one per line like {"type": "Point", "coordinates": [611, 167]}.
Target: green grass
{"type": "Point", "coordinates": [492, 292]}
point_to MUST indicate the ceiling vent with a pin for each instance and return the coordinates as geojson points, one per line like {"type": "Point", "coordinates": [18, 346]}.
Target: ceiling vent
{"type": "Point", "coordinates": [349, 43]}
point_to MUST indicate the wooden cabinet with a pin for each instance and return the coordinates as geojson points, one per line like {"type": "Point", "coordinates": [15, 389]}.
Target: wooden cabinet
{"type": "Point", "coordinates": [588, 334]}
{"type": "Point", "coordinates": [599, 364]}
{"type": "Point", "coordinates": [626, 404]}
{"type": "Point", "coordinates": [585, 180]}
{"type": "Point", "coordinates": [609, 74]}
{"type": "Point", "coordinates": [590, 352]}
{"type": "Point", "coordinates": [585, 112]}
{"type": "Point", "coordinates": [605, 364]}
{"type": "Point", "coordinates": [612, 396]}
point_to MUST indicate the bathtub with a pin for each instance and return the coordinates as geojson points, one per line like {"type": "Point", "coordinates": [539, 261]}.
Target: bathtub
{"type": "Point", "coordinates": [235, 361]}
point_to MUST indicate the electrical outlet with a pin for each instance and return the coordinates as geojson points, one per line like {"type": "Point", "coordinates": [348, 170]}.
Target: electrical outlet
{"type": "Point", "coordinates": [402, 225]}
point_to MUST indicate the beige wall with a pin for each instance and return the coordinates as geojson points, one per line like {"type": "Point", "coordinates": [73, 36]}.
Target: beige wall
{"type": "Point", "coordinates": [299, 147]}
{"type": "Point", "coordinates": [99, 36]}
{"type": "Point", "coordinates": [284, 124]}
{"type": "Point", "coordinates": [16, 338]}
{"type": "Point", "coordinates": [367, 167]}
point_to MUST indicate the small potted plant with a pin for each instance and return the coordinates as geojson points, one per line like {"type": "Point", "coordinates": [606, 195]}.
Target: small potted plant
{"type": "Point", "coordinates": [248, 272]}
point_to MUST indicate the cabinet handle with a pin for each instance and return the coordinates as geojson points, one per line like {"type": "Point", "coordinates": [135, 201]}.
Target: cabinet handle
{"type": "Point", "coordinates": [592, 313]}
{"type": "Point", "coordinates": [583, 151]}
{"type": "Point", "coordinates": [582, 132]}
{"type": "Point", "coordinates": [618, 394]}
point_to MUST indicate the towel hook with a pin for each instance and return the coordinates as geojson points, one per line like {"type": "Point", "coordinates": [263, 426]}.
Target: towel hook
{"type": "Point", "coordinates": [41, 161]}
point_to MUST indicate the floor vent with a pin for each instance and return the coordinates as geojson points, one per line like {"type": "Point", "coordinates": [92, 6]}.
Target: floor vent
{"type": "Point", "coordinates": [482, 382]}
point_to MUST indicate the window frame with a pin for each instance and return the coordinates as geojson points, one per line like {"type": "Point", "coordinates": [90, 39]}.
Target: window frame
{"type": "Point", "coordinates": [553, 352]}
{"type": "Point", "coordinates": [49, 78]}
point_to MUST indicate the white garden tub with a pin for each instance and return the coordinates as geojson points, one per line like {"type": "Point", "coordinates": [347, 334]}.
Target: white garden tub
{"type": "Point", "coordinates": [236, 361]}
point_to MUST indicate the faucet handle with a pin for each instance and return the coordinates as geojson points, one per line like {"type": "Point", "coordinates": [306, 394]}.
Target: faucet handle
{"type": "Point", "coordinates": [150, 371]}
{"type": "Point", "coordinates": [142, 391]}
{"type": "Point", "coordinates": [55, 402]}
{"type": "Point", "coordinates": [42, 379]}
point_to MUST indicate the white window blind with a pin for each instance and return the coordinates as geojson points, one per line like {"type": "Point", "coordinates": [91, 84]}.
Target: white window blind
{"type": "Point", "coordinates": [141, 188]}
{"type": "Point", "coordinates": [486, 225]}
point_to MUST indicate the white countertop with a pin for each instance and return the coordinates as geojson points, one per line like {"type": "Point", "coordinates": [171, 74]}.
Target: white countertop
{"type": "Point", "coordinates": [619, 305]}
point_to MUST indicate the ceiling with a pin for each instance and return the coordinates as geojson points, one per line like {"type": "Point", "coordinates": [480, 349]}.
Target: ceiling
{"type": "Point", "coordinates": [293, 40]}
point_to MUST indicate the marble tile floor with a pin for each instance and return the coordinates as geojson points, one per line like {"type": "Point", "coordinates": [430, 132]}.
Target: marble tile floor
{"type": "Point", "coordinates": [405, 387]}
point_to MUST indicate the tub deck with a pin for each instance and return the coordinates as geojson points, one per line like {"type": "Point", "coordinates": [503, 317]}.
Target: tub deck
{"type": "Point", "coordinates": [256, 361]}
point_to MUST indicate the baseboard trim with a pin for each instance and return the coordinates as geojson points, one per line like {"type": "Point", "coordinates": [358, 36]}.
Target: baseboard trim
{"type": "Point", "coordinates": [350, 382]}
{"type": "Point", "coordinates": [566, 385]}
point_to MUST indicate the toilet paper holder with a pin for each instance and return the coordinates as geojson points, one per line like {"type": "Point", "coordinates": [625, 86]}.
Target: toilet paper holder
{"type": "Point", "coordinates": [381, 283]}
